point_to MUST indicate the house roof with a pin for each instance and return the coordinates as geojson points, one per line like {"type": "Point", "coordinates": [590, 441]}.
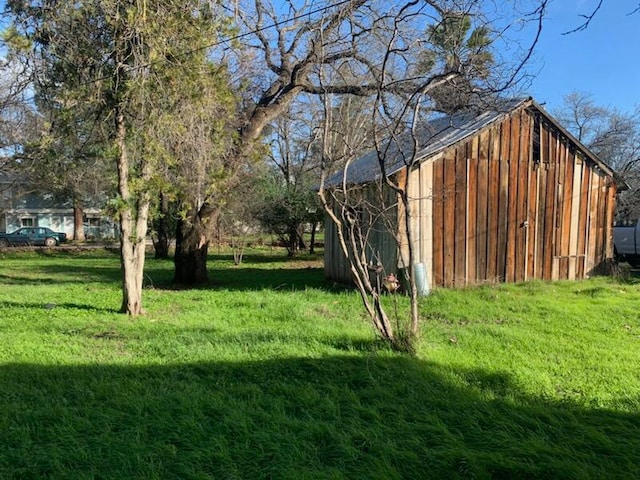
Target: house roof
{"type": "Point", "coordinates": [438, 134]}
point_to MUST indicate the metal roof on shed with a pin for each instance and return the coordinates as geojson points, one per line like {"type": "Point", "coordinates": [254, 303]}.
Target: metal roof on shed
{"type": "Point", "coordinates": [436, 135]}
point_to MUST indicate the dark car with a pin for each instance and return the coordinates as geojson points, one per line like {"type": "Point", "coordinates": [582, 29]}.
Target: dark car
{"type": "Point", "coordinates": [32, 236]}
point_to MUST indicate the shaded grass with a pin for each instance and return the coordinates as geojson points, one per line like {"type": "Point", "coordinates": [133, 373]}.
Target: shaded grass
{"type": "Point", "coordinates": [336, 417]}
{"type": "Point", "coordinates": [272, 373]}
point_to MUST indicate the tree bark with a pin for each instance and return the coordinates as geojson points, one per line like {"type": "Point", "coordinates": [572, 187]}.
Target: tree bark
{"type": "Point", "coordinates": [192, 247]}
{"type": "Point", "coordinates": [133, 226]}
{"type": "Point", "coordinates": [300, 235]}
{"type": "Point", "coordinates": [161, 239]}
{"type": "Point", "coordinates": [312, 240]}
{"type": "Point", "coordinates": [78, 221]}
{"type": "Point", "coordinates": [132, 256]}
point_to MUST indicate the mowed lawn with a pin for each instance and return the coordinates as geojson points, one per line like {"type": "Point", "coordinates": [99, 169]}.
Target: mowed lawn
{"type": "Point", "coordinates": [273, 373]}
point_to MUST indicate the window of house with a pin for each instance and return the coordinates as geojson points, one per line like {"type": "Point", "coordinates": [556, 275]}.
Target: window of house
{"type": "Point", "coordinates": [27, 222]}
{"type": "Point", "coordinates": [93, 222]}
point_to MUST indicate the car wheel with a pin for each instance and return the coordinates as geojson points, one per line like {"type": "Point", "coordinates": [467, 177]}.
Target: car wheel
{"type": "Point", "coordinates": [4, 243]}
{"type": "Point", "coordinates": [50, 242]}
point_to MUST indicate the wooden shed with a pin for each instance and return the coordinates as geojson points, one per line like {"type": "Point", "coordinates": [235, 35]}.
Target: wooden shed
{"type": "Point", "coordinates": [504, 196]}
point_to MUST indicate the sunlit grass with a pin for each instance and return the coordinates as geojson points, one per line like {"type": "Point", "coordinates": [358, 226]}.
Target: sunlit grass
{"type": "Point", "coordinates": [271, 372]}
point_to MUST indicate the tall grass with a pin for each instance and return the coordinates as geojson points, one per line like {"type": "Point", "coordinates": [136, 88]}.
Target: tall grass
{"type": "Point", "coordinates": [273, 373]}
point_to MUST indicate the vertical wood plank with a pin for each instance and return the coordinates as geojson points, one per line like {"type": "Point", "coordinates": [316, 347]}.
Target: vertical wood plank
{"type": "Point", "coordinates": [566, 210]}
{"type": "Point", "coordinates": [541, 208]}
{"type": "Point", "coordinates": [493, 205]}
{"type": "Point", "coordinates": [558, 204]}
{"type": "Point", "coordinates": [542, 200]}
{"type": "Point", "coordinates": [592, 259]}
{"type": "Point", "coordinates": [560, 152]}
{"type": "Point", "coordinates": [600, 218]}
{"type": "Point", "coordinates": [449, 216]}
{"type": "Point", "coordinates": [576, 195]}
{"type": "Point", "coordinates": [426, 249]}
{"type": "Point", "coordinates": [608, 226]}
{"type": "Point", "coordinates": [532, 216]}
{"type": "Point", "coordinates": [471, 152]}
{"type": "Point", "coordinates": [503, 203]}
{"type": "Point", "coordinates": [523, 195]}
{"type": "Point", "coordinates": [437, 231]}
{"type": "Point", "coordinates": [415, 211]}
{"type": "Point", "coordinates": [583, 233]}
{"type": "Point", "coordinates": [420, 233]}
{"type": "Point", "coordinates": [483, 175]}
{"type": "Point", "coordinates": [329, 235]}
{"type": "Point", "coordinates": [512, 225]}
{"type": "Point", "coordinates": [550, 226]}
{"type": "Point", "coordinates": [460, 260]}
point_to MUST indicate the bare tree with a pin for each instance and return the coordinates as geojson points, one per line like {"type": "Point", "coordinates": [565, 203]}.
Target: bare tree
{"type": "Point", "coordinates": [368, 198]}
{"type": "Point", "coordinates": [237, 219]}
{"type": "Point", "coordinates": [612, 135]}
{"type": "Point", "coordinates": [274, 59]}
{"type": "Point", "coordinates": [287, 201]}
{"type": "Point", "coordinates": [18, 118]}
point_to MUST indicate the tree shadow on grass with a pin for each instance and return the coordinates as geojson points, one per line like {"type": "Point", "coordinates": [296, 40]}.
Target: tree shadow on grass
{"type": "Point", "coordinates": [54, 305]}
{"type": "Point", "coordinates": [63, 274]}
{"type": "Point", "coordinates": [237, 279]}
{"type": "Point", "coordinates": [159, 274]}
{"type": "Point", "coordinates": [337, 417]}
{"type": "Point", "coordinates": [303, 272]}
{"type": "Point", "coordinates": [286, 279]}
{"type": "Point", "coordinates": [250, 279]}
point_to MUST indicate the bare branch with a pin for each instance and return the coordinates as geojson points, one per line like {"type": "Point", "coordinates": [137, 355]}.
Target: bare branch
{"type": "Point", "coordinates": [587, 19]}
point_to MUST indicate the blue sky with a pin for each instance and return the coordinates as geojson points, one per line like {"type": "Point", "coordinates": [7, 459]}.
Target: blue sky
{"type": "Point", "coordinates": [602, 60]}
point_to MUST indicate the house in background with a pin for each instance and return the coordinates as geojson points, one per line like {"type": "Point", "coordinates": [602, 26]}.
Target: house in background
{"type": "Point", "coordinates": [507, 195]}
{"type": "Point", "coordinates": [21, 206]}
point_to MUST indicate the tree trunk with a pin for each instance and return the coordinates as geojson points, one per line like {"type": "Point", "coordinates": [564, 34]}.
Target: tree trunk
{"type": "Point", "coordinates": [132, 256]}
{"type": "Point", "coordinates": [133, 226]}
{"type": "Point", "coordinates": [78, 221]}
{"type": "Point", "coordinates": [192, 247]}
{"type": "Point", "coordinates": [162, 235]}
{"type": "Point", "coordinates": [312, 240]}
{"type": "Point", "coordinates": [292, 241]}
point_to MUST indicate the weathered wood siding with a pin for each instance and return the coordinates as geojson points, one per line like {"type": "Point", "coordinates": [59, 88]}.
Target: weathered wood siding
{"type": "Point", "coordinates": [516, 201]}
{"type": "Point", "coordinates": [504, 210]}
{"type": "Point", "coordinates": [377, 211]}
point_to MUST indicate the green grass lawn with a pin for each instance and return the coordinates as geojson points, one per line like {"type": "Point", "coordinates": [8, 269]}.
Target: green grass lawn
{"type": "Point", "coordinates": [274, 373]}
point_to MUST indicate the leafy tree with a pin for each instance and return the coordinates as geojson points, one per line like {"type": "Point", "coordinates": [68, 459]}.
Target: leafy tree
{"type": "Point", "coordinates": [194, 134]}
{"type": "Point", "coordinates": [284, 208]}
{"type": "Point", "coordinates": [458, 46]}
{"type": "Point", "coordinates": [135, 53]}
{"type": "Point", "coordinates": [60, 148]}
{"type": "Point", "coordinates": [66, 157]}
